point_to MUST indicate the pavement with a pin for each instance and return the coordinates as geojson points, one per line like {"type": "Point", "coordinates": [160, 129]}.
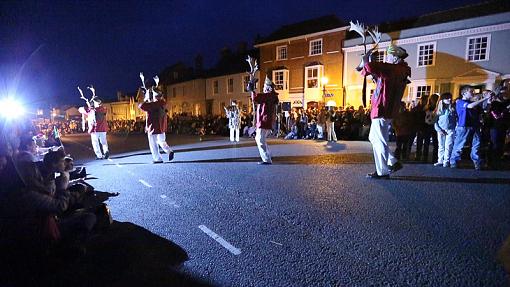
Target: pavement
{"type": "Point", "coordinates": [213, 217]}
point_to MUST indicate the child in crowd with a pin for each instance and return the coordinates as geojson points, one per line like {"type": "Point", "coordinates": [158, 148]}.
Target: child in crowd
{"type": "Point", "coordinates": [445, 127]}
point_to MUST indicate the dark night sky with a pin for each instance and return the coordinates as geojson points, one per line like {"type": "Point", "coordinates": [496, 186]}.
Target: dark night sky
{"type": "Point", "coordinates": [47, 48]}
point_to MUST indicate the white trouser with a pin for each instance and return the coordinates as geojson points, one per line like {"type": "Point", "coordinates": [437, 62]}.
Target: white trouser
{"type": "Point", "coordinates": [320, 130]}
{"type": "Point", "coordinates": [99, 138]}
{"type": "Point", "coordinates": [445, 146]}
{"type": "Point", "coordinates": [232, 133]}
{"type": "Point", "coordinates": [331, 131]}
{"type": "Point", "coordinates": [379, 133]}
{"type": "Point", "coordinates": [260, 138]}
{"type": "Point", "coordinates": [156, 140]}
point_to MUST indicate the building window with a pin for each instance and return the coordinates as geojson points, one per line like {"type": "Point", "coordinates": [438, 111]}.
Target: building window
{"type": "Point", "coordinates": [313, 76]}
{"type": "Point", "coordinates": [426, 54]}
{"type": "Point", "coordinates": [230, 86]}
{"type": "Point", "coordinates": [422, 91]}
{"type": "Point", "coordinates": [280, 79]}
{"type": "Point", "coordinates": [316, 47]}
{"type": "Point", "coordinates": [246, 80]}
{"type": "Point", "coordinates": [281, 53]}
{"type": "Point", "coordinates": [174, 92]}
{"type": "Point", "coordinates": [215, 87]}
{"type": "Point", "coordinates": [478, 48]}
{"type": "Point", "coordinates": [379, 56]}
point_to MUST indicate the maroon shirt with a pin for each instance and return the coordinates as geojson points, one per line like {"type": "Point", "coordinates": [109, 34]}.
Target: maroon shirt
{"type": "Point", "coordinates": [266, 109]}
{"type": "Point", "coordinates": [101, 125]}
{"type": "Point", "coordinates": [156, 116]}
{"type": "Point", "coordinates": [391, 82]}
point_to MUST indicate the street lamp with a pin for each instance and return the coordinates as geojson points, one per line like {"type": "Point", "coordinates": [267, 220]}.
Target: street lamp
{"type": "Point", "coordinates": [324, 81]}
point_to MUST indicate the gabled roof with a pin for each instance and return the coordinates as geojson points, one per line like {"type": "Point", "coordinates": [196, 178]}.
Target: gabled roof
{"type": "Point", "coordinates": [304, 28]}
{"type": "Point", "coordinates": [456, 14]}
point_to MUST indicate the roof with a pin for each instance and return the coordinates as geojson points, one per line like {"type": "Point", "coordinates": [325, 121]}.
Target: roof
{"type": "Point", "coordinates": [311, 26]}
{"type": "Point", "coordinates": [456, 14]}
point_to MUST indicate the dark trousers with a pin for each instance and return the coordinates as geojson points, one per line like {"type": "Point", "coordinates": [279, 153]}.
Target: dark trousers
{"type": "Point", "coordinates": [402, 144]}
{"type": "Point", "coordinates": [496, 147]}
{"type": "Point", "coordinates": [423, 143]}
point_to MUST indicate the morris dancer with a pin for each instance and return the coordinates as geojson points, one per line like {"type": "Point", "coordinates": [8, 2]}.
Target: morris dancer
{"type": "Point", "coordinates": [97, 124]}
{"type": "Point", "coordinates": [156, 125]}
{"type": "Point", "coordinates": [265, 110]}
{"type": "Point", "coordinates": [391, 82]}
{"type": "Point", "coordinates": [234, 120]}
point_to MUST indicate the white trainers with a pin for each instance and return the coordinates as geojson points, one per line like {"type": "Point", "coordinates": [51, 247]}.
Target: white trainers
{"type": "Point", "coordinates": [446, 164]}
{"type": "Point", "coordinates": [438, 164]}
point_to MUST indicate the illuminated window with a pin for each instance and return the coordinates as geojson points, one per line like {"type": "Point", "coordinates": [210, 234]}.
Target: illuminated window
{"type": "Point", "coordinates": [230, 86]}
{"type": "Point", "coordinates": [281, 53]}
{"type": "Point", "coordinates": [426, 54]}
{"type": "Point", "coordinates": [215, 87]}
{"type": "Point", "coordinates": [280, 79]}
{"type": "Point", "coordinates": [316, 47]}
{"type": "Point", "coordinates": [422, 91]}
{"type": "Point", "coordinates": [379, 56]}
{"type": "Point", "coordinates": [478, 48]}
{"type": "Point", "coordinates": [313, 76]}
{"type": "Point", "coordinates": [246, 80]}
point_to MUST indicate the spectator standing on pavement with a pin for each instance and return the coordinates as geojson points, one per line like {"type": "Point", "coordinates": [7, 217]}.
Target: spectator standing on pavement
{"type": "Point", "coordinates": [499, 123]}
{"type": "Point", "coordinates": [391, 78]}
{"type": "Point", "coordinates": [331, 118]}
{"type": "Point", "coordinates": [468, 125]}
{"type": "Point", "coordinates": [234, 120]}
{"type": "Point", "coordinates": [445, 126]}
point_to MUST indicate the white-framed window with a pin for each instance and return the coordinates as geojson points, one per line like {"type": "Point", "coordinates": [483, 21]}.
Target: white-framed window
{"type": "Point", "coordinates": [246, 80]}
{"type": "Point", "coordinates": [380, 56]}
{"type": "Point", "coordinates": [422, 91]}
{"type": "Point", "coordinates": [230, 85]}
{"type": "Point", "coordinates": [478, 48]}
{"type": "Point", "coordinates": [281, 53]}
{"type": "Point", "coordinates": [313, 75]}
{"type": "Point", "coordinates": [281, 79]}
{"type": "Point", "coordinates": [426, 54]}
{"type": "Point", "coordinates": [316, 47]}
{"type": "Point", "coordinates": [215, 87]}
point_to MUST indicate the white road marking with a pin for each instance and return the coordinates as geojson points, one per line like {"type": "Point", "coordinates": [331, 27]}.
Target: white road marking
{"type": "Point", "coordinates": [144, 183]}
{"type": "Point", "coordinates": [118, 165]}
{"type": "Point", "coordinates": [110, 159]}
{"type": "Point", "coordinates": [274, 242]}
{"type": "Point", "coordinates": [163, 196]}
{"type": "Point", "coordinates": [171, 202]}
{"type": "Point", "coordinates": [220, 240]}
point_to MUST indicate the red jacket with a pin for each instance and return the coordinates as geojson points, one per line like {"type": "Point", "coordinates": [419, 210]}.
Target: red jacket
{"type": "Point", "coordinates": [156, 117]}
{"type": "Point", "coordinates": [391, 82]}
{"type": "Point", "coordinates": [100, 125]}
{"type": "Point", "coordinates": [266, 111]}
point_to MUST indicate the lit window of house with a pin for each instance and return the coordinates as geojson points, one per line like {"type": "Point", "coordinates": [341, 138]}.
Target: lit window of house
{"type": "Point", "coordinates": [281, 53]}
{"type": "Point", "coordinates": [230, 86]}
{"type": "Point", "coordinates": [316, 47]}
{"type": "Point", "coordinates": [280, 79]}
{"type": "Point", "coordinates": [313, 76]}
{"type": "Point", "coordinates": [422, 91]}
{"type": "Point", "coordinates": [426, 54]}
{"type": "Point", "coordinates": [478, 48]}
{"type": "Point", "coordinates": [215, 87]}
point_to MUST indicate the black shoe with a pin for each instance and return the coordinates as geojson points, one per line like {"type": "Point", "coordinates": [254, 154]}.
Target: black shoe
{"type": "Point", "coordinates": [264, 163]}
{"type": "Point", "coordinates": [107, 155]}
{"type": "Point", "coordinates": [157, 161]}
{"type": "Point", "coordinates": [82, 173]}
{"type": "Point", "coordinates": [374, 175]}
{"type": "Point", "coordinates": [395, 167]}
{"type": "Point", "coordinates": [171, 156]}
{"type": "Point", "coordinates": [99, 158]}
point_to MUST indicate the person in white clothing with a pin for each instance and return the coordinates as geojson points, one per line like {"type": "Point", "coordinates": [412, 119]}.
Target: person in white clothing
{"type": "Point", "coordinates": [234, 120]}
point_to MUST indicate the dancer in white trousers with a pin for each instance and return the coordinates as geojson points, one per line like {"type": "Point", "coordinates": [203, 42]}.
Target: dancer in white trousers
{"type": "Point", "coordinates": [234, 120]}
{"type": "Point", "coordinates": [391, 78]}
{"type": "Point", "coordinates": [156, 123]}
{"type": "Point", "coordinates": [95, 114]}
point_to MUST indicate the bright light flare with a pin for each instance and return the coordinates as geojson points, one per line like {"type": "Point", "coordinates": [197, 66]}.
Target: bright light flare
{"type": "Point", "coordinates": [10, 108]}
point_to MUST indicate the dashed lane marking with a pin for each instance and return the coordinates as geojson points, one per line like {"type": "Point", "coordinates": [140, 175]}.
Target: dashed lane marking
{"type": "Point", "coordinates": [220, 240]}
{"type": "Point", "coordinates": [144, 183]}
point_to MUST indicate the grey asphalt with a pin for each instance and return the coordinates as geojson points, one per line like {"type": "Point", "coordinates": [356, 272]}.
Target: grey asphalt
{"type": "Point", "coordinates": [311, 218]}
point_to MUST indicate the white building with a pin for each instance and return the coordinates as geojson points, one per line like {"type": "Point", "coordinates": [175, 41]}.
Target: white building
{"type": "Point", "coordinates": [447, 51]}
